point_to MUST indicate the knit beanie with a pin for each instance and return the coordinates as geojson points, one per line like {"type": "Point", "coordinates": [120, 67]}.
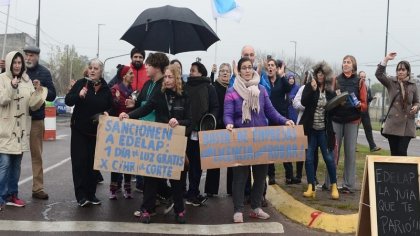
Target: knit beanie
{"type": "Point", "coordinates": [124, 71]}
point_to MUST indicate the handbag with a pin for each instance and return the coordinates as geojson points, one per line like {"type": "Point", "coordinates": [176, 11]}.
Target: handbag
{"type": "Point", "coordinates": [384, 120]}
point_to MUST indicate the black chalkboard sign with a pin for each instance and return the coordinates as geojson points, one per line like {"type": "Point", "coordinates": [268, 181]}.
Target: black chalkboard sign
{"type": "Point", "coordinates": [397, 199]}
{"type": "Point", "coordinates": [390, 201]}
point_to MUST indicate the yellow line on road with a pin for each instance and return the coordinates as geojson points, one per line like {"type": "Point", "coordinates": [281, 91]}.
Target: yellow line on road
{"type": "Point", "coordinates": [309, 216]}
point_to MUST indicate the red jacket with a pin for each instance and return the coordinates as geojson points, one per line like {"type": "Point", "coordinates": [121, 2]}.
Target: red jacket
{"type": "Point", "coordinates": [140, 77]}
{"type": "Point", "coordinates": [118, 103]}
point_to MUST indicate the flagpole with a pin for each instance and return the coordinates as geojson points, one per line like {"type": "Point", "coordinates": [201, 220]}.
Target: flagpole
{"type": "Point", "coordinates": [5, 33]}
{"type": "Point", "coordinates": [215, 48]}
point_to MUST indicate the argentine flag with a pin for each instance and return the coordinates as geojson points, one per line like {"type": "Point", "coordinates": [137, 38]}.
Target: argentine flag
{"type": "Point", "coordinates": [226, 9]}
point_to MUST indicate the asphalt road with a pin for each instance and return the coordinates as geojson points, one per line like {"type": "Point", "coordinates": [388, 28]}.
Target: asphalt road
{"type": "Point", "coordinates": [60, 215]}
{"type": "Point", "coordinates": [413, 147]}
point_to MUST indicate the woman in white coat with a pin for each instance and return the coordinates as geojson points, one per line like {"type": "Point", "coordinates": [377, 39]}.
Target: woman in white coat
{"type": "Point", "coordinates": [17, 95]}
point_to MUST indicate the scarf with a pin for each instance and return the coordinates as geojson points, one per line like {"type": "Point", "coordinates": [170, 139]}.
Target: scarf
{"type": "Point", "coordinates": [403, 85]}
{"type": "Point", "coordinates": [250, 93]}
{"type": "Point", "coordinates": [221, 82]}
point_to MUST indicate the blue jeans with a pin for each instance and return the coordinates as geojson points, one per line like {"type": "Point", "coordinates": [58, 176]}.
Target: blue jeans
{"type": "Point", "coordinates": [9, 175]}
{"type": "Point", "coordinates": [318, 138]}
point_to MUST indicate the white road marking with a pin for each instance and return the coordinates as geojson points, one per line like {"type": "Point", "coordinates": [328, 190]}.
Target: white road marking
{"type": "Point", "coordinates": [45, 170]}
{"type": "Point", "coordinates": [61, 136]}
{"type": "Point", "coordinates": [124, 227]}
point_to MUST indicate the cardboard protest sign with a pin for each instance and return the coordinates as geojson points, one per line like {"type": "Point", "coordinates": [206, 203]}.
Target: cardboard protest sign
{"type": "Point", "coordinates": [250, 146]}
{"type": "Point", "coordinates": [140, 148]}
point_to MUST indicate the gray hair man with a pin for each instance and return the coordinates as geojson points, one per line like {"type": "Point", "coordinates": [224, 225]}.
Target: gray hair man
{"type": "Point", "coordinates": [40, 76]}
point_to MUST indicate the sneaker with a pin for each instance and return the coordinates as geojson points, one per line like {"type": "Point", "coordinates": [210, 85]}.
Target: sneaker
{"type": "Point", "coordinates": [193, 201]}
{"type": "Point", "coordinates": [202, 199]}
{"type": "Point", "coordinates": [180, 217]}
{"type": "Point", "coordinates": [113, 195]}
{"type": "Point", "coordinates": [271, 180]}
{"type": "Point", "coordinates": [345, 190]}
{"type": "Point", "coordinates": [168, 208]}
{"type": "Point", "coordinates": [138, 213]}
{"type": "Point", "coordinates": [127, 194]}
{"type": "Point", "coordinates": [144, 217]}
{"type": "Point", "coordinates": [84, 202]}
{"type": "Point", "coordinates": [296, 180]}
{"type": "Point", "coordinates": [15, 201]}
{"type": "Point", "coordinates": [238, 217]}
{"type": "Point", "coordinates": [95, 201]}
{"type": "Point", "coordinates": [375, 149]}
{"type": "Point", "coordinates": [259, 213]}
{"type": "Point", "coordinates": [40, 195]}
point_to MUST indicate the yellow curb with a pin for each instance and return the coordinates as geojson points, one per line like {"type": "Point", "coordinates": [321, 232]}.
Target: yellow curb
{"type": "Point", "coordinates": [312, 218]}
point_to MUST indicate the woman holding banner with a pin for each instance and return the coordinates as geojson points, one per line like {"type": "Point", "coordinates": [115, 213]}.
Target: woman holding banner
{"type": "Point", "coordinates": [247, 104]}
{"type": "Point", "coordinates": [172, 107]}
{"type": "Point", "coordinates": [404, 98]}
{"type": "Point", "coordinates": [90, 97]}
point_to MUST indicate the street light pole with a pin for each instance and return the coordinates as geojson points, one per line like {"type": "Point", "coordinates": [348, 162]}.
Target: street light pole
{"type": "Point", "coordinates": [99, 26]}
{"type": "Point", "coordinates": [294, 60]}
{"type": "Point", "coordinates": [38, 27]}
{"type": "Point", "coordinates": [386, 49]}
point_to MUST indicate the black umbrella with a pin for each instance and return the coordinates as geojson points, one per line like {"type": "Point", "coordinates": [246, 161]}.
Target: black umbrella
{"type": "Point", "coordinates": [170, 29]}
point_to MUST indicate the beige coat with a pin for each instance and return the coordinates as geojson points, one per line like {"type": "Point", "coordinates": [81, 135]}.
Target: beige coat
{"type": "Point", "coordinates": [15, 121]}
{"type": "Point", "coordinates": [399, 122]}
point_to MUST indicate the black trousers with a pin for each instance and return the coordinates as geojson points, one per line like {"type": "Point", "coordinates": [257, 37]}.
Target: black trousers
{"type": "Point", "coordinates": [194, 172]}
{"type": "Point", "coordinates": [398, 145]}
{"type": "Point", "coordinates": [151, 186]}
{"type": "Point", "coordinates": [229, 181]}
{"type": "Point", "coordinates": [367, 126]}
{"type": "Point", "coordinates": [288, 167]}
{"type": "Point", "coordinates": [82, 151]}
{"type": "Point", "coordinates": [212, 181]}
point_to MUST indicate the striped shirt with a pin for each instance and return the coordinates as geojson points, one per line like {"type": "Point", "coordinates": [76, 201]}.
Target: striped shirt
{"type": "Point", "coordinates": [319, 115]}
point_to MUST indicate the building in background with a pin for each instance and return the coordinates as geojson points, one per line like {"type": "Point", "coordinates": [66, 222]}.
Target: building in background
{"type": "Point", "coordinates": [16, 42]}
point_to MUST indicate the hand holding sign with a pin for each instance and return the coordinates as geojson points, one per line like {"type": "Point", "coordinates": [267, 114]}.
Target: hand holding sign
{"type": "Point", "coordinates": [290, 123]}
{"type": "Point", "coordinates": [123, 116]}
{"type": "Point", "coordinates": [229, 127]}
{"type": "Point", "coordinates": [173, 123]}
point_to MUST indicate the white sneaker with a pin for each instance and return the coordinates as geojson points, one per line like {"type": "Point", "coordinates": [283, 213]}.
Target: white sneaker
{"type": "Point", "coordinates": [259, 213]}
{"type": "Point", "coordinates": [238, 217]}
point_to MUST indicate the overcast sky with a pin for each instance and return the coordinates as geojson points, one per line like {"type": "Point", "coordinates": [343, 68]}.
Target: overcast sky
{"type": "Point", "coordinates": [324, 29]}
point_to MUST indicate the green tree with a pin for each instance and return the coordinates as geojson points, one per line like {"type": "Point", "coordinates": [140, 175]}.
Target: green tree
{"type": "Point", "coordinates": [65, 64]}
{"type": "Point", "coordinates": [376, 88]}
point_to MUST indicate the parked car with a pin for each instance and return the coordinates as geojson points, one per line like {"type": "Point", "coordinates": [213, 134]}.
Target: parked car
{"type": "Point", "coordinates": [61, 106]}
{"type": "Point", "coordinates": [417, 120]}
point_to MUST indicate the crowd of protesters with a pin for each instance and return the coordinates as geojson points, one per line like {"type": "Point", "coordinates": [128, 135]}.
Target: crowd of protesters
{"type": "Point", "coordinates": [243, 94]}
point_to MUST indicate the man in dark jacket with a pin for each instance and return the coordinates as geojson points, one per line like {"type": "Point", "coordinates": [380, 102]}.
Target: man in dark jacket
{"type": "Point", "coordinates": [39, 75]}
{"type": "Point", "coordinates": [203, 99]}
{"type": "Point", "coordinates": [367, 126]}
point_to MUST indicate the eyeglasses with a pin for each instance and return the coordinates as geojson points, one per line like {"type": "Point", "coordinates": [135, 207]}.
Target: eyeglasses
{"type": "Point", "coordinates": [224, 71]}
{"type": "Point", "coordinates": [247, 68]}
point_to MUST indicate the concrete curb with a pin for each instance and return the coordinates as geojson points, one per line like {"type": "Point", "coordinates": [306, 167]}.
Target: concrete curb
{"type": "Point", "coordinates": [308, 216]}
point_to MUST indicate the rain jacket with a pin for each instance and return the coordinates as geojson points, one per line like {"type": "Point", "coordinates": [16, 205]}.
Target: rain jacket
{"type": "Point", "coordinates": [15, 121]}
